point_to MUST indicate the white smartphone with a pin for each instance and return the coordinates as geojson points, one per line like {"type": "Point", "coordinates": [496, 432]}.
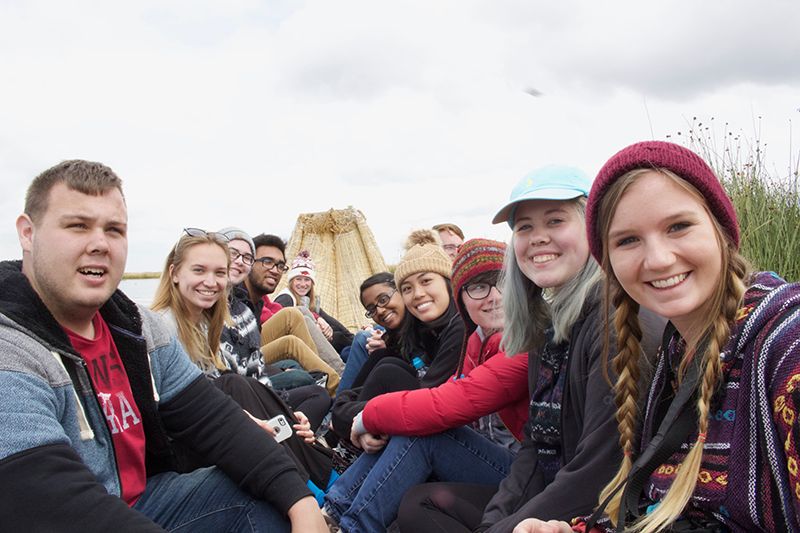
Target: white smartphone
{"type": "Point", "coordinates": [281, 426]}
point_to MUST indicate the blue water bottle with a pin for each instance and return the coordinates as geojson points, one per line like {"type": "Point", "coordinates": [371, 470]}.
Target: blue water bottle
{"type": "Point", "coordinates": [419, 364]}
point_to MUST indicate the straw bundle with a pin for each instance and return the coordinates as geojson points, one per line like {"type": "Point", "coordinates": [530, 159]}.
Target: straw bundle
{"type": "Point", "coordinates": [345, 254]}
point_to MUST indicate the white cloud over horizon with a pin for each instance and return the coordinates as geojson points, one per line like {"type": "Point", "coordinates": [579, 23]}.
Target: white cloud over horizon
{"type": "Point", "coordinates": [250, 112]}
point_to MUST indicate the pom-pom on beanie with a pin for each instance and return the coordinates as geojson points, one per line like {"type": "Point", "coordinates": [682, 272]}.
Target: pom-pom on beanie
{"type": "Point", "coordinates": [303, 266]}
{"type": "Point", "coordinates": [424, 253]}
{"type": "Point", "coordinates": [476, 256]}
{"type": "Point", "coordinates": [660, 155]}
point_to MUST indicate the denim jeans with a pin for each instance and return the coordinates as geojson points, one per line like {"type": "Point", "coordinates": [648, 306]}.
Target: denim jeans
{"type": "Point", "coordinates": [367, 496]}
{"type": "Point", "coordinates": [355, 360]}
{"type": "Point", "coordinates": [206, 500]}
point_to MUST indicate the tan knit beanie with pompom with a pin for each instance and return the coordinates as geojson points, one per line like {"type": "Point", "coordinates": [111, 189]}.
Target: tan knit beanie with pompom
{"type": "Point", "coordinates": [424, 253]}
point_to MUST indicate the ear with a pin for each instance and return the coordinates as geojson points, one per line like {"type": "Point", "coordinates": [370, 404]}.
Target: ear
{"type": "Point", "coordinates": [173, 275]}
{"type": "Point", "coordinates": [25, 231]}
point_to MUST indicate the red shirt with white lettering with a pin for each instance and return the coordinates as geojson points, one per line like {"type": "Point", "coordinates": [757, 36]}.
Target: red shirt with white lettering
{"type": "Point", "coordinates": [114, 395]}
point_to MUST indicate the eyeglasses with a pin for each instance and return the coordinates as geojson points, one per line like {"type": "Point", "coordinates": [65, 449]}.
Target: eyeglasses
{"type": "Point", "coordinates": [247, 258]}
{"type": "Point", "coordinates": [479, 291]}
{"type": "Point", "coordinates": [268, 263]}
{"type": "Point", "coordinates": [383, 299]}
{"type": "Point", "coordinates": [197, 232]}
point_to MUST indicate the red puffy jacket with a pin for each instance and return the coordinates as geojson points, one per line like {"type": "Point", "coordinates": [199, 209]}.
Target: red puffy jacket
{"type": "Point", "coordinates": [500, 385]}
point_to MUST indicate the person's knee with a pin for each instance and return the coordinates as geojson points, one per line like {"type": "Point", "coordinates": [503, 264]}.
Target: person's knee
{"type": "Point", "coordinates": [230, 383]}
{"type": "Point", "coordinates": [293, 316]}
{"type": "Point", "coordinates": [292, 343]}
{"type": "Point", "coordinates": [229, 379]}
{"type": "Point", "coordinates": [390, 367]}
{"type": "Point", "coordinates": [282, 347]}
{"type": "Point", "coordinates": [415, 498]}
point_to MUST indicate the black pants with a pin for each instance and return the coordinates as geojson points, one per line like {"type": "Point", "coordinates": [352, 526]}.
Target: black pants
{"type": "Point", "coordinates": [313, 400]}
{"type": "Point", "coordinates": [444, 507]}
{"type": "Point", "coordinates": [369, 365]}
{"type": "Point", "coordinates": [390, 374]}
{"type": "Point", "coordinates": [313, 461]}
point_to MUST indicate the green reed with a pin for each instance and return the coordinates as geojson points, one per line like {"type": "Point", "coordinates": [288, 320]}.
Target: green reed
{"type": "Point", "coordinates": [767, 200]}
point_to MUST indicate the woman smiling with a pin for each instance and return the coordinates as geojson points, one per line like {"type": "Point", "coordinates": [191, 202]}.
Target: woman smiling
{"type": "Point", "coordinates": [301, 291]}
{"type": "Point", "coordinates": [710, 441]}
{"type": "Point", "coordinates": [385, 306]}
{"type": "Point", "coordinates": [192, 295]}
{"type": "Point", "coordinates": [430, 337]}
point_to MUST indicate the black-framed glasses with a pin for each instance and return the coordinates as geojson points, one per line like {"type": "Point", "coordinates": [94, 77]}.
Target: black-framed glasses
{"type": "Point", "coordinates": [382, 300]}
{"type": "Point", "coordinates": [480, 290]}
{"type": "Point", "coordinates": [247, 258]}
{"type": "Point", "coordinates": [268, 263]}
{"type": "Point", "coordinates": [197, 232]}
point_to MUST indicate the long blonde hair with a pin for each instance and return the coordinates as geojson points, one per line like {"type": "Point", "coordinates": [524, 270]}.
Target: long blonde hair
{"type": "Point", "coordinates": [203, 348]}
{"type": "Point", "coordinates": [719, 316]}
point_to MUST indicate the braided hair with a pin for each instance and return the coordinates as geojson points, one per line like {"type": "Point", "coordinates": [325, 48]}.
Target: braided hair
{"type": "Point", "coordinates": [719, 316]}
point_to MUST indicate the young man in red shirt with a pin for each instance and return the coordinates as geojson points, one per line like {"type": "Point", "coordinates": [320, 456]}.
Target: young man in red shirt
{"type": "Point", "coordinates": [96, 396]}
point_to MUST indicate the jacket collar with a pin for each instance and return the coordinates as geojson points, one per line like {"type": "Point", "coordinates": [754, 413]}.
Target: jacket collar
{"type": "Point", "coordinates": [20, 302]}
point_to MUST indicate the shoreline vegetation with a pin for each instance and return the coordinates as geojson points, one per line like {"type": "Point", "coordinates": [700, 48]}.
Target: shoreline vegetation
{"type": "Point", "coordinates": [766, 198]}
{"type": "Point", "coordinates": [141, 275]}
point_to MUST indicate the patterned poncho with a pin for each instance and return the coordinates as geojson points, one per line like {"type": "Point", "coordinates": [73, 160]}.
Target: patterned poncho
{"type": "Point", "coordinates": [748, 478]}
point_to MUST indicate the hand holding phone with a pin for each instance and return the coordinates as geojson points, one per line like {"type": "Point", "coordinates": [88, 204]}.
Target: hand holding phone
{"type": "Point", "coordinates": [281, 428]}
{"type": "Point", "coordinates": [375, 342]}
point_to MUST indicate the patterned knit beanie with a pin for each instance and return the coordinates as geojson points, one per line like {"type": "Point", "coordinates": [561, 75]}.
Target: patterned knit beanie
{"type": "Point", "coordinates": [424, 253]}
{"type": "Point", "coordinates": [655, 155]}
{"type": "Point", "coordinates": [303, 266]}
{"type": "Point", "coordinates": [475, 257]}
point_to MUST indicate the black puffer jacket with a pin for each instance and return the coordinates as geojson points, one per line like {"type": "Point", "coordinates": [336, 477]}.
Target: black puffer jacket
{"type": "Point", "coordinates": [440, 348]}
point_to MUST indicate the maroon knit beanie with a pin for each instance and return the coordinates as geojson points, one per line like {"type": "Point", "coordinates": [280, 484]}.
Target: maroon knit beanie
{"type": "Point", "coordinates": [475, 256]}
{"type": "Point", "coordinates": [654, 155]}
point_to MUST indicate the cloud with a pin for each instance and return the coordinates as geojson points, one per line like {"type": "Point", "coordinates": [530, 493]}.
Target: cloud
{"type": "Point", "coordinates": [674, 50]}
{"type": "Point", "coordinates": [250, 112]}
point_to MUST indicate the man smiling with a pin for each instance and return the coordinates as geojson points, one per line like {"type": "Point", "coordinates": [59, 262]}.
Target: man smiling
{"type": "Point", "coordinates": [268, 269]}
{"type": "Point", "coordinates": [94, 391]}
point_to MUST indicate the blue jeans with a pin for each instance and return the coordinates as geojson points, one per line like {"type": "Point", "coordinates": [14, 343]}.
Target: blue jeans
{"type": "Point", "coordinates": [206, 500]}
{"type": "Point", "coordinates": [355, 360]}
{"type": "Point", "coordinates": [367, 496]}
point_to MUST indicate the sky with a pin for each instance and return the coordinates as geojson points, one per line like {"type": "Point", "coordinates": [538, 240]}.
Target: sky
{"type": "Point", "coordinates": [248, 113]}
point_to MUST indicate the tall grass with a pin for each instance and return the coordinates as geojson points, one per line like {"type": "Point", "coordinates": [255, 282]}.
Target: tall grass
{"type": "Point", "coordinates": [767, 201]}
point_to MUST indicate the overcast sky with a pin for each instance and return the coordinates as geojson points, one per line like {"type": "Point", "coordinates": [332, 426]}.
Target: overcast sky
{"type": "Point", "coordinates": [248, 112]}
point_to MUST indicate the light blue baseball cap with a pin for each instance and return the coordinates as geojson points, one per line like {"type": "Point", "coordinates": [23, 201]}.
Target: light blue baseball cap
{"type": "Point", "coordinates": [553, 182]}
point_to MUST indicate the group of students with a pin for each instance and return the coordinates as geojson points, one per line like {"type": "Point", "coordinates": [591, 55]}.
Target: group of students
{"type": "Point", "coordinates": [532, 381]}
{"type": "Point", "coordinates": [532, 320]}
{"type": "Point", "coordinates": [615, 367]}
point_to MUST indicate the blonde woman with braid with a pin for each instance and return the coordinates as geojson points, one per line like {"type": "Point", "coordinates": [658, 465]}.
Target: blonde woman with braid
{"type": "Point", "coordinates": [714, 446]}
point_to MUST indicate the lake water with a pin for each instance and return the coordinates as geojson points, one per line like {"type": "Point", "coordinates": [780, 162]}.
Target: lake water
{"type": "Point", "coordinates": [140, 291]}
